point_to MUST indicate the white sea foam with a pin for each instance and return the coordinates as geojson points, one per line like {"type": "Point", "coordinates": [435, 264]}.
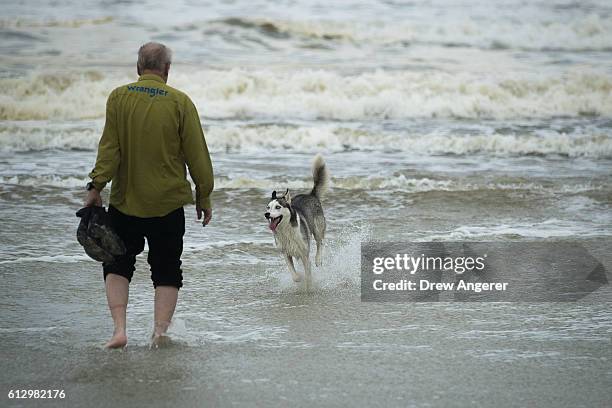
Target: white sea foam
{"type": "Point", "coordinates": [47, 258]}
{"type": "Point", "coordinates": [383, 94]}
{"type": "Point", "coordinates": [56, 96]}
{"type": "Point", "coordinates": [44, 181]}
{"type": "Point", "coordinates": [336, 139]}
{"type": "Point", "coordinates": [328, 138]}
{"type": "Point", "coordinates": [550, 228]}
{"type": "Point", "coordinates": [28, 329]}
{"type": "Point", "coordinates": [397, 183]}
{"type": "Point", "coordinates": [325, 94]}
{"type": "Point", "coordinates": [588, 145]}
{"type": "Point", "coordinates": [29, 23]}
{"type": "Point", "coordinates": [42, 135]}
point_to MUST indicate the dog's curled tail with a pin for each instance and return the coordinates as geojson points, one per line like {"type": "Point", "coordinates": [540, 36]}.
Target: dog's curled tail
{"type": "Point", "coordinates": [320, 177]}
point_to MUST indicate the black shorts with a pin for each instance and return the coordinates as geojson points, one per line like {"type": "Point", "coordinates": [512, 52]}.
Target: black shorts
{"type": "Point", "coordinates": [165, 238]}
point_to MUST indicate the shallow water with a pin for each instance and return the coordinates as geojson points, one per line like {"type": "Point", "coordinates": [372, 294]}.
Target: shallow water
{"type": "Point", "coordinates": [439, 120]}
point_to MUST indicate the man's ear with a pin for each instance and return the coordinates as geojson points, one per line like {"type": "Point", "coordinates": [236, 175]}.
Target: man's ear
{"type": "Point", "coordinates": [166, 71]}
{"type": "Point", "coordinates": [138, 70]}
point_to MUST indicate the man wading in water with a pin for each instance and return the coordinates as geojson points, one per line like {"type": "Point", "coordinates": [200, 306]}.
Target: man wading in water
{"type": "Point", "coordinates": [151, 132]}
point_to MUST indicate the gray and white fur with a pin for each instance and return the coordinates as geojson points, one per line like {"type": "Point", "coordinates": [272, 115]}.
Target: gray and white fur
{"type": "Point", "coordinates": [293, 220]}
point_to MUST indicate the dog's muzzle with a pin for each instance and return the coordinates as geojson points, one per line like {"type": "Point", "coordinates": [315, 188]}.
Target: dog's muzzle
{"type": "Point", "coordinates": [273, 221]}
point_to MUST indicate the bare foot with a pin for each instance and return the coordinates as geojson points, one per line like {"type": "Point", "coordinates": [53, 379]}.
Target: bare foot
{"type": "Point", "coordinates": [160, 340]}
{"type": "Point", "coordinates": [119, 340]}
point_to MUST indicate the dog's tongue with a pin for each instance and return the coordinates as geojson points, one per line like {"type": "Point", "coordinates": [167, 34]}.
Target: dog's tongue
{"type": "Point", "coordinates": [274, 223]}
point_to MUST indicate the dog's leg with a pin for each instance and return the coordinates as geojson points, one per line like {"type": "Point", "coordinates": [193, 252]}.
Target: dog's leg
{"type": "Point", "coordinates": [306, 263]}
{"type": "Point", "coordinates": [296, 276]}
{"type": "Point", "coordinates": [319, 253]}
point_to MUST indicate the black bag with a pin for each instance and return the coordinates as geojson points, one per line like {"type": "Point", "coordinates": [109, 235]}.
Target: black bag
{"type": "Point", "coordinates": [95, 234]}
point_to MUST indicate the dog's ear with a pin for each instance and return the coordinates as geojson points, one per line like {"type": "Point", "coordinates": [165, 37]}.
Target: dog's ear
{"type": "Point", "coordinates": [287, 197]}
{"type": "Point", "coordinates": [274, 195]}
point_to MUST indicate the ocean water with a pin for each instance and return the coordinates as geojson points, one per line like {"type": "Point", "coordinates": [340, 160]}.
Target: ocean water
{"type": "Point", "coordinates": [439, 120]}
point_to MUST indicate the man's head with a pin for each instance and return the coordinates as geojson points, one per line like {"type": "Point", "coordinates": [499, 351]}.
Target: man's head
{"type": "Point", "coordinates": [154, 58]}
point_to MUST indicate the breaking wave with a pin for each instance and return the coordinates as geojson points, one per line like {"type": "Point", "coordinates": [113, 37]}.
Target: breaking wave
{"type": "Point", "coordinates": [589, 32]}
{"type": "Point", "coordinates": [580, 33]}
{"type": "Point", "coordinates": [337, 139]}
{"type": "Point", "coordinates": [397, 182]}
{"type": "Point", "coordinates": [550, 228]}
{"type": "Point", "coordinates": [56, 96]}
{"type": "Point", "coordinates": [325, 94]}
{"type": "Point", "coordinates": [28, 23]}
{"type": "Point", "coordinates": [35, 135]}
{"type": "Point", "coordinates": [593, 143]}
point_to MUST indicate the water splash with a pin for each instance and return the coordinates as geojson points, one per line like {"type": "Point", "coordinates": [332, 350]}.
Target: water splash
{"type": "Point", "coordinates": [341, 264]}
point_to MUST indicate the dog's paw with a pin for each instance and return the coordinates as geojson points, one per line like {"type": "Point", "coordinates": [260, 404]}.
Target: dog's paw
{"type": "Point", "coordinates": [297, 278]}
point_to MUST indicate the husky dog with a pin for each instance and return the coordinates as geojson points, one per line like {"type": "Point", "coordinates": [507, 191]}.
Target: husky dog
{"type": "Point", "coordinates": [292, 220]}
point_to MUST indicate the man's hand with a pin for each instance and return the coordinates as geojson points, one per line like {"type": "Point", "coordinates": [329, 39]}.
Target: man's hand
{"type": "Point", "coordinates": [93, 198]}
{"type": "Point", "coordinates": [207, 214]}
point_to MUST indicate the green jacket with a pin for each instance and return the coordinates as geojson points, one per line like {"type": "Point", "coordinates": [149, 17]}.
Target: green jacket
{"type": "Point", "coordinates": [152, 130]}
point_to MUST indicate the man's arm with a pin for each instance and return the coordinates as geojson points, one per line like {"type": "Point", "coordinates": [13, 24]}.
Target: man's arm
{"type": "Point", "coordinates": [198, 161]}
{"type": "Point", "coordinates": [108, 158]}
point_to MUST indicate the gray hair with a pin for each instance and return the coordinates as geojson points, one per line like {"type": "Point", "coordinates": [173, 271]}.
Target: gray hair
{"type": "Point", "coordinates": [154, 56]}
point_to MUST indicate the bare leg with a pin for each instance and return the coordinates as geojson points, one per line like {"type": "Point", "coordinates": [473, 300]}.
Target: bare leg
{"type": "Point", "coordinates": [165, 303]}
{"type": "Point", "coordinates": [306, 263]}
{"type": "Point", "coordinates": [117, 290]}
{"type": "Point", "coordinates": [296, 276]}
{"type": "Point", "coordinates": [319, 253]}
